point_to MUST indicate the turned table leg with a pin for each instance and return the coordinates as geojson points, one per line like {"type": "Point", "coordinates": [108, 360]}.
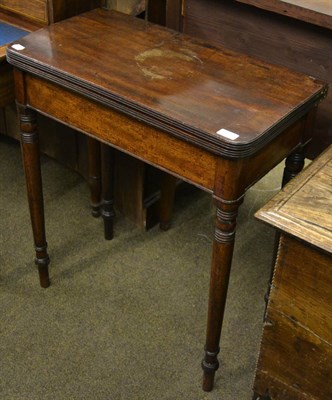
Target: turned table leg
{"type": "Point", "coordinates": [107, 174]}
{"type": "Point", "coordinates": [293, 165]}
{"type": "Point", "coordinates": [94, 174]}
{"type": "Point", "coordinates": [220, 271]}
{"type": "Point", "coordinates": [31, 164]}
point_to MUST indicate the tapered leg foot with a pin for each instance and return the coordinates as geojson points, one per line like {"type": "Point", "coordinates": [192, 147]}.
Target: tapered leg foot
{"type": "Point", "coordinates": [108, 217]}
{"type": "Point", "coordinates": [222, 254]}
{"type": "Point", "coordinates": [42, 260]}
{"type": "Point", "coordinates": [210, 365]}
{"type": "Point", "coordinates": [44, 279]}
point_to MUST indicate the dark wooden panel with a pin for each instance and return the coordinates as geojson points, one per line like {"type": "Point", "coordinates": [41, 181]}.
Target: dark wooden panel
{"type": "Point", "coordinates": [156, 11]}
{"type": "Point", "coordinates": [165, 12]}
{"type": "Point", "coordinates": [270, 37]}
{"type": "Point", "coordinates": [129, 186]}
{"type": "Point", "coordinates": [174, 14]}
{"type": "Point", "coordinates": [6, 84]}
{"type": "Point", "coordinates": [62, 9]}
{"type": "Point", "coordinates": [3, 128]}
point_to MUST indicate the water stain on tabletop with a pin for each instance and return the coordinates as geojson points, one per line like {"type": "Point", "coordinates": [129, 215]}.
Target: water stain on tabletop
{"type": "Point", "coordinates": [158, 64]}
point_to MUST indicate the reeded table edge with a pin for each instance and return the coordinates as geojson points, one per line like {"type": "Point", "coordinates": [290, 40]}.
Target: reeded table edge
{"type": "Point", "coordinates": [216, 145]}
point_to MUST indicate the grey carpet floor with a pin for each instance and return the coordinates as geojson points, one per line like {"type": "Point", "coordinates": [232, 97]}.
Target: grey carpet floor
{"type": "Point", "coordinates": [123, 319]}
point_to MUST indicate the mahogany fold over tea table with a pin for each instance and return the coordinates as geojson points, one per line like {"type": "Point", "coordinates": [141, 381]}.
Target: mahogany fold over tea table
{"type": "Point", "coordinates": [212, 117]}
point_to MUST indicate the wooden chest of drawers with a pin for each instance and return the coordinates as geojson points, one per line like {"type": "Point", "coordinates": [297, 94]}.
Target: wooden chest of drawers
{"type": "Point", "coordinates": [295, 359]}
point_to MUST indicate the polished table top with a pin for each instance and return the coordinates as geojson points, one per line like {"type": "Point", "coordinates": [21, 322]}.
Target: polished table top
{"type": "Point", "coordinates": [225, 102]}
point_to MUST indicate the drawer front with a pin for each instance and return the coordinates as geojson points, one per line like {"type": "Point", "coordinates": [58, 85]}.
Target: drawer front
{"type": "Point", "coordinates": [36, 10]}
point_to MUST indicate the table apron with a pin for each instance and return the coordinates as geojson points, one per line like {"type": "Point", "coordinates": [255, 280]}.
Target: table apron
{"type": "Point", "coordinates": [189, 162]}
{"type": "Point", "coordinates": [130, 135]}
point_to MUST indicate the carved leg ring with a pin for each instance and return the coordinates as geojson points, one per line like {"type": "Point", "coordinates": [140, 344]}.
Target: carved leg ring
{"type": "Point", "coordinates": [31, 163]}
{"type": "Point", "coordinates": [220, 270]}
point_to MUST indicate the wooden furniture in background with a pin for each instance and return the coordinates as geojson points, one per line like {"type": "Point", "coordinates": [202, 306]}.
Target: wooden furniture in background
{"type": "Point", "coordinates": [31, 17]}
{"type": "Point", "coordinates": [300, 39]}
{"type": "Point", "coordinates": [44, 12]}
{"type": "Point", "coordinates": [137, 186]}
{"type": "Point", "coordinates": [295, 361]}
{"type": "Point", "coordinates": [209, 116]}
{"type": "Point", "coordinates": [318, 12]}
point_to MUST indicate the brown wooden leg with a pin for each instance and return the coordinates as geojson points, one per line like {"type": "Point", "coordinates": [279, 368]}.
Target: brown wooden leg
{"type": "Point", "coordinates": [107, 173]}
{"type": "Point", "coordinates": [293, 165]}
{"type": "Point", "coordinates": [94, 174]}
{"type": "Point", "coordinates": [31, 163]}
{"type": "Point", "coordinates": [166, 203]}
{"type": "Point", "coordinates": [220, 270]}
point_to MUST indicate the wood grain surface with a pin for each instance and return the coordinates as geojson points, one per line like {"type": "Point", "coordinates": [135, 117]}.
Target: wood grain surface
{"type": "Point", "coordinates": [296, 349]}
{"type": "Point", "coordinates": [304, 207]}
{"type": "Point", "coordinates": [295, 44]}
{"type": "Point", "coordinates": [37, 9]}
{"type": "Point", "coordinates": [186, 88]}
{"type": "Point", "coordinates": [295, 360]}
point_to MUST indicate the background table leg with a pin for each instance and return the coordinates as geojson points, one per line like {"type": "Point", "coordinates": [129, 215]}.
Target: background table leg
{"type": "Point", "coordinates": [293, 165]}
{"type": "Point", "coordinates": [31, 163]}
{"type": "Point", "coordinates": [220, 270]}
{"type": "Point", "coordinates": [107, 173]}
{"type": "Point", "coordinates": [94, 175]}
